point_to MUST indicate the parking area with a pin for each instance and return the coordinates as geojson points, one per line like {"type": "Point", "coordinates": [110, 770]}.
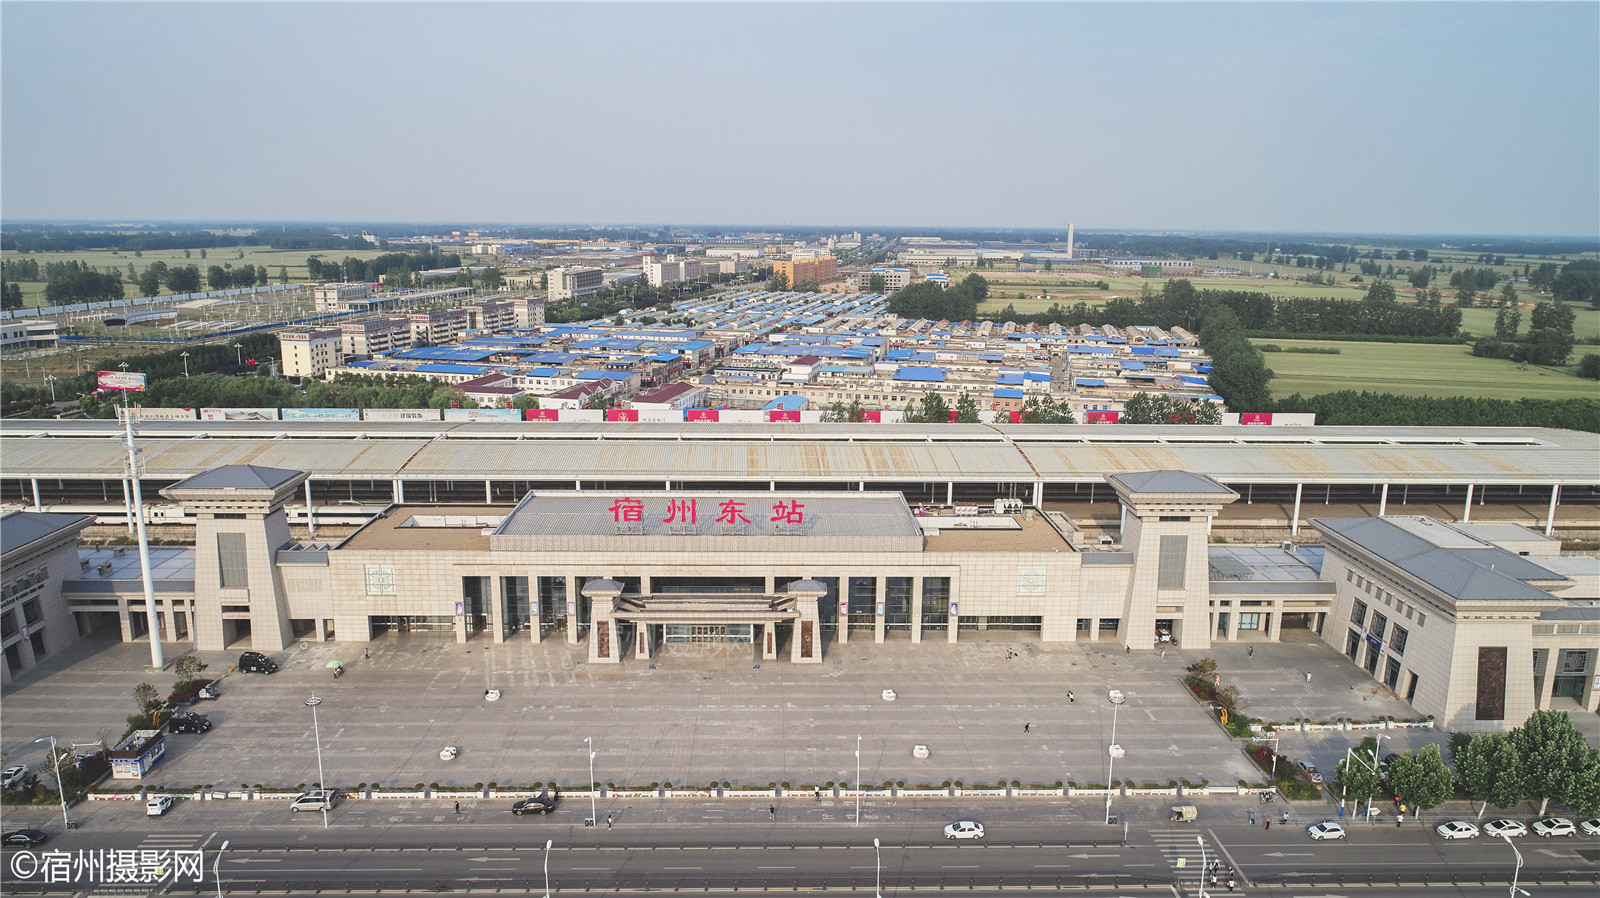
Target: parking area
{"type": "Point", "coordinates": [992, 708]}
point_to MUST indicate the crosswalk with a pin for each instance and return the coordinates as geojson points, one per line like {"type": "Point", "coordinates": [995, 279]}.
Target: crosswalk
{"type": "Point", "coordinates": [1196, 853]}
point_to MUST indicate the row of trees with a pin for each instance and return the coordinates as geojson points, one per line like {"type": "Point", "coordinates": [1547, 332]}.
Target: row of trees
{"type": "Point", "coordinates": [925, 299]}
{"type": "Point", "coordinates": [1544, 760]}
{"type": "Point", "coordinates": [1239, 371]}
{"type": "Point", "coordinates": [1347, 407]}
{"type": "Point", "coordinates": [77, 282]}
{"type": "Point", "coordinates": [398, 267]}
{"type": "Point", "coordinates": [1550, 337]}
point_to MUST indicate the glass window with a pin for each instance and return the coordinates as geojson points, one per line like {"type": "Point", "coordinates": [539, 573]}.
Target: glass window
{"type": "Point", "coordinates": [1174, 558]}
{"type": "Point", "coordinates": [232, 563]}
{"type": "Point", "coordinates": [1380, 623]}
{"type": "Point", "coordinates": [1249, 620]}
{"type": "Point", "coordinates": [1358, 613]}
{"type": "Point", "coordinates": [1397, 645]}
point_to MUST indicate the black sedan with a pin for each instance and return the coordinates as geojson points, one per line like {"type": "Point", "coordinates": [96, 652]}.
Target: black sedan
{"type": "Point", "coordinates": [24, 837]}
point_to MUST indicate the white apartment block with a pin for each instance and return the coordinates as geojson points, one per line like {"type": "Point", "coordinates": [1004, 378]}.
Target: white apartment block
{"type": "Point", "coordinates": [671, 270]}
{"type": "Point", "coordinates": [365, 339]}
{"type": "Point", "coordinates": [330, 296]}
{"type": "Point", "coordinates": [565, 283]}
{"type": "Point", "coordinates": [311, 353]}
{"type": "Point", "coordinates": [438, 327]}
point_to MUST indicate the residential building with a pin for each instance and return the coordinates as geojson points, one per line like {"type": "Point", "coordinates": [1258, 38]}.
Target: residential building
{"type": "Point", "coordinates": [565, 283]}
{"type": "Point", "coordinates": [311, 353]}
{"type": "Point", "coordinates": [819, 269]}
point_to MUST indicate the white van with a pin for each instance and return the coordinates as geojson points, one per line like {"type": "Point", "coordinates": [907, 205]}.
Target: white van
{"type": "Point", "coordinates": [315, 800]}
{"type": "Point", "coordinates": [158, 805]}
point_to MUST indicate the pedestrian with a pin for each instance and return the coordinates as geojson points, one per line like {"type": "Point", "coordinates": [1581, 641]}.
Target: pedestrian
{"type": "Point", "coordinates": [458, 808]}
{"type": "Point", "coordinates": [366, 653]}
{"type": "Point", "coordinates": [1163, 653]}
{"type": "Point", "coordinates": [1269, 823]}
{"type": "Point", "coordinates": [1213, 879]}
{"type": "Point", "coordinates": [819, 796]}
{"type": "Point", "coordinates": [1251, 653]}
{"type": "Point", "coordinates": [1070, 697]}
{"type": "Point", "coordinates": [608, 821]}
{"type": "Point", "coordinates": [1230, 883]}
{"type": "Point", "coordinates": [1399, 819]}
{"type": "Point", "coordinates": [1027, 728]}
{"type": "Point", "coordinates": [772, 812]}
{"type": "Point", "coordinates": [1252, 818]}
{"type": "Point", "coordinates": [1308, 676]}
{"type": "Point", "coordinates": [1127, 650]}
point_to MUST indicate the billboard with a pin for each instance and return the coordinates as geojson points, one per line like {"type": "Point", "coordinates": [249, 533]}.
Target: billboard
{"type": "Point", "coordinates": [163, 414]}
{"type": "Point", "coordinates": [322, 414]}
{"type": "Point", "coordinates": [123, 381]}
{"type": "Point", "coordinates": [238, 414]}
{"type": "Point", "coordinates": [872, 415]}
{"type": "Point", "coordinates": [779, 414]}
{"type": "Point", "coordinates": [1255, 417]}
{"type": "Point", "coordinates": [1100, 416]}
{"type": "Point", "coordinates": [483, 414]}
{"type": "Point", "coordinates": [400, 414]}
{"type": "Point", "coordinates": [622, 414]}
{"type": "Point", "coordinates": [700, 414]}
{"type": "Point", "coordinates": [543, 414]}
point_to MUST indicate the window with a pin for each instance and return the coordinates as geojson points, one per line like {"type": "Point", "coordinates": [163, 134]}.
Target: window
{"type": "Point", "coordinates": [1397, 645]}
{"type": "Point", "coordinates": [1379, 625]}
{"type": "Point", "coordinates": [1173, 559]}
{"type": "Point", "coordinates": [1358, 613]}
{"type": "Point", "coordinates": [1249, 620]}
{"type": "Point", "coordinates": [233, 567]}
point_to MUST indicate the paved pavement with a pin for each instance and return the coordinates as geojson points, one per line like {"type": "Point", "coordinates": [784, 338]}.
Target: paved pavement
{"type": "Point", "coordinates": [704, 714]}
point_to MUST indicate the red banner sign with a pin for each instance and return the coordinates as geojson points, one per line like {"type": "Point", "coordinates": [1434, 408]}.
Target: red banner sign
{"type": "Point", "coordinates": [542, 414]}
{"type": "Point", "coordinates": [1101, 417]}
{"type": "Point", "coordinates": [1255, 418]}
{"type": "Point", "coordinates": [700, 414]}
{"type": "Point", "coordinates": [622, 414]}
{"type": "Point", "coordinates": [779, 414]}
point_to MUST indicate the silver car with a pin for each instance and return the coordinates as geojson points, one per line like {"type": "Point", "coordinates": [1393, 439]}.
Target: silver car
{"type": "Point", "coordinates": [1554, 826]}
{"type": "Point", "coordinates": [1456, 829]}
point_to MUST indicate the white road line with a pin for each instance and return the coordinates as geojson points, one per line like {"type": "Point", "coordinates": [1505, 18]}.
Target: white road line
{"type": "Point", "coordinates": [680, 868]}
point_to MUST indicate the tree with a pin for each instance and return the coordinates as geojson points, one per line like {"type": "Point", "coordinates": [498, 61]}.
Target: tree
{"type": "Point", "coordinates": [147, 697]}
{"type": "Point", "coordinates": [1552, 754]}
{"type": "Point", "coordinates": [1550, 336]}
{"type": "Point", "coordinates": [283, 274]}
{"type": "Point", "coordinates": [934, 410]}
{"type": "Point", "coordinates": [184, 279]}
{"type": "Point", "coordinates": [1356, 777]}
{"type": "Point", "coordinates": [1589, 366]}
{"type": "Point", "coordinates": [188, 667]}
{"type": "Point", "coordinates": [977, 287]}
{"type": "Point", "coordinates": [966, 410]}
{"type": "Point", "coordinates": [1421, 780]}
{"type": "Point", "coordinates": [493, 279]}
{"type": "Point", "coordinates": [151, 279]}
{"type": "Point", "coordinates": [1381, 292]}
{"type": "Point", "coordinates": [1420, 277]}
{"type": "Point", "coordinates": [1508, 293]}
{"type": "Point", "coordinates": [1579, 282]}
{"type": "Point", "coordinates": [810, 286]}
{"type": "Point", "coordinates": [1490, 772]}
{"type": "Point", "coordinates": [778, 283]}
{"type": "Point", "coordinates": [1466, 296]}
{"type": "Point", "coordinates": [11, 296]}
{"type": "Point", "coordinates": [524, 401]}
{"type": "Point", "coordinates": [876, 284]}
{"type": "Point", "coordinates": [1421, 255]}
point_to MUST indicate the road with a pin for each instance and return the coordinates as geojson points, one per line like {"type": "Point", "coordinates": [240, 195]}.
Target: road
{"type": "Point", "coordinates": [373, 846]}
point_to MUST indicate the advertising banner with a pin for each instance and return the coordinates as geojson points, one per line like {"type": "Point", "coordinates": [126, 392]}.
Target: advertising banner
{"type": "Point", "coordinates": [699, 414]}
{"type": "Point", "coordinates": [238, 414]}
{"type": "Point", "coordinates": [779, 414]}
{"type": "Point", "coordinates": [622, 414]}
{"type": "Point", "coordinates": [400, 414]}
{"type": "Point", "coordinates": [322, 414]}
{"type": "Point", "coordinates": [163, 414]}
{"type": "Point", "coordinates": [1097, 416]}
{"type": "Point", "coordinates": [873, 415]}
{"type": "Point", "coordinates": [543, 414]}
{"type": "Point", "coordinates": [483, 414]}
{"type": "Point", "coordinates": [123, 381]}
{"type": "Point", "coordinates": [1255, 417]}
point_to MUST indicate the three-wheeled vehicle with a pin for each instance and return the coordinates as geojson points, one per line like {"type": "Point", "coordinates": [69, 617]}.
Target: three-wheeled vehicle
{"type": "Point", "coordinates": [1185, 813]}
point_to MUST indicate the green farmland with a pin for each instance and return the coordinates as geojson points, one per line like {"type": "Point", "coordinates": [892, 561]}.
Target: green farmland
{"type": "Point", "coordinates": [1413, 369]}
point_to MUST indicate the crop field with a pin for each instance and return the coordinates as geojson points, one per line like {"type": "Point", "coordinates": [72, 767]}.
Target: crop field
{"type": "Point", "coordinates": [1413, 369]}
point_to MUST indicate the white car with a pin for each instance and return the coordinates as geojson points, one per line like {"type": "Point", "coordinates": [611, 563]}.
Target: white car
{"type": "Point", "coordinates": [1554, 826]}
{"type": "Point", "coordinates": [1456, 829]}
{"type": "Point", "coordinates": [1503, 827]}
{"type": "Point", "coordinates": [888, 695]}
{"type": "Point", "coordinates": [491, 695]}
{"type": "Point", "coordinates": [964, 829]}
{"type": "Point", "coordinates": [315, 800]}
{"type": "Point", "coordinates": [1309, 771]}
{"type": "Point", "coordinates": [449, 753]}
{"type": "Point", "coordinates": [14, 776]}
{"type": "Point", "coordinates": [1327, 829]}
{"type": "Point", "coordinates": [1590, 827]}
{"type": "Point", "coordinates": [920, 752]}
{"type": "Point", "coordinates": [158, 805]}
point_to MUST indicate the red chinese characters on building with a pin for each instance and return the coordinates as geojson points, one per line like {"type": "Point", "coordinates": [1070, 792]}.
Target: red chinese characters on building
{"type": "Point", "coordinates": [732, 512]}
{"type": "Point", "coordinates": [680, 511]}
{"type": "Point", "coordinates": [627, 511]}
{"type": "Point", "coordinates": [788, 512]}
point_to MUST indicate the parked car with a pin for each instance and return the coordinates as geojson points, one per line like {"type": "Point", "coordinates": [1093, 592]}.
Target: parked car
{"type": "Point", "coordinates": [315, 800]}
{"type": "Point", "coordinates": [255, 662]}
{"type": "Point", "coordinates": [1504, 827]}
{"type": "Point", "coordinates": [541, 804]}
{"type": "Point", "coordinates": [24, 837]}
{"type": "Point", "coordinates": [1456, 829]}
{"type": "Point", "coordinates": [158, 805]}
{"type": "Point", "coordinates": [448, 753]}
{"type": "Point", "coordinates": [920, 752]}
{"type": "Point", "coordinates": [1554, 826]}
{"type": "Point", "coordinates": [1590, 827]}
{"type": "Point", "coordinates": [964, 829]}
{"type": "Point", "coordinates": [15, 777]}
{"type": "Point", "coordinates": [1327, 829]}
{"type": "Point", "coordinates": [189, 723]}
{"type": "Point", "coordinates": [1309, 771]}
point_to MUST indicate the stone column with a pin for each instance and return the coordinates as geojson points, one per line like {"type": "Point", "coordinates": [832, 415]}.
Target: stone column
{"type": "Point", "coordinates": [769, 641]}
{"type": "Point", "coordinates": [642, 646]}
{"type": "Point", "coordinates": [879, 601]}
{"type": "Point", "coordinates": [572, 612]}
{"type": "Point", "coordinates": [497, 615]}
{"type": "Point", "coordinates": [916, 609]}
{"type": "Point", "coordinates": [844, 612]}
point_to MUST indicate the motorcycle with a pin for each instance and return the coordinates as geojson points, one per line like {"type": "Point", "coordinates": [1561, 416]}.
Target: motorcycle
{"type": "Point", "coordinates": [338, 672]}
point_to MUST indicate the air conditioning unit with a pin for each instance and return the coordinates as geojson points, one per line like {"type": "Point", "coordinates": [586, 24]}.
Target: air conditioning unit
{"type": "Point", "coordinates": [84, 565]}
{"type": "Point", "coordinates": [1286, 546]}
{"type": "Point", "coordinates": [105, 568]}
{"type": "Point", "coordinates": [120, 551]}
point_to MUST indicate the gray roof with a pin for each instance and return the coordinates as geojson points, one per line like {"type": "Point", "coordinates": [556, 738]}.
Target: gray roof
{"type": "Point", "coordinates": [1170, 482]}
{"type": "Point", "coordinates": [22, 528]}
{"type": "Point", "coordinates": [1481, 574]}
{"type": "Point", "coordinates": [238, 477]}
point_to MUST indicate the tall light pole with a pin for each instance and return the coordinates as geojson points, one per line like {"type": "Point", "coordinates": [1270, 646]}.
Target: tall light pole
{"type": "Point", "coordinates": [878, 890]}
{"type": "Point", "coordinates": [216, 867]}
{"type": "Point", "coordinates": [593, 813]}
{"type": "Point", "coordinates": [60, 788]}
{"type": "Point", "coordinates": [156, 660]}
{"type": "Point", "coordinates": [322, 782]}
{"type": "Point", "coordinates": [51, 380]}
{"type": "Point", "coordinates": [238, 353]}
{"type": "Point", "coordinates": [547, 844]}
{"type": "Point", "coordinates": [185, 356]}
{"type": "Point", "coordinates": [858, 779]}
{"type": "Point", "coordinates": [1111, 759]}
{"type": "Point", "coordinates": [1518, 871]}
{"type": "Point", "coordinates": [1202, 841]}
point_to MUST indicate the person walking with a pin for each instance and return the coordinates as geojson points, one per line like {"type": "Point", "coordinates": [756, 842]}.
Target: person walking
{"type": "Point", "coordinates": [1269, 822]}
{"type": "Point", "coordinates": [1027, 728]}
{"type": "Point", "coordinates": [772, 812]}
{"type": "Point", "coordinates": [1070, 697]}
{"type": "Point", "coordinates": [1308, 676]}
{"type": "Point", "coordinates": [1251, 653]}
{"type": "Point", "coordinates": [1252, 818]}
{"type": "Point", "coordinates": [458, 809]}
{"type": "Point", "coordinates": [1399, 819]}
{"type": "Point", "coordinates": [819, 796]}
{"type": "Point", "coordinates": [608, 821]}
{"type": "Point", "coordinates": [366, 653]}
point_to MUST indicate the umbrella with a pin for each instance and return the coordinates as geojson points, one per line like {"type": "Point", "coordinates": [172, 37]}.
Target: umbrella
{"type": "Point", "coordinates": [335, 664]}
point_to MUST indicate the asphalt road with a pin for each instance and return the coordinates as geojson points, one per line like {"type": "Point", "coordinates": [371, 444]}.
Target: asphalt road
{"type": "Point", "coordinates": [427, 846]}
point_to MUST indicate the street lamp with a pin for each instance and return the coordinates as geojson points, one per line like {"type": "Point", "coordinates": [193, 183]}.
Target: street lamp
{"type": "Point", "coordinates": [1518, 871]}
{"type": "Point", "coordinates": [60, 788]}
{"type": "Point", "coordinates": [51, 380]}
{"type": "Point", "coordinates": [1111, 759]}
{"type": "Point", "coordinates": [547, 844]}
{"type": "Point", "coordinates": [216, 867]}
{"type": "Point", "coordinates": [238, 354]}
{"type": "Point", "coordinates": [858, 779]}
{"type": "Point", "coordinates": [322, 782]}
{"type": "Point", "coordinates": [185, 356]}
{"type": "Point", "coordinates": [878, 890]}
{"type": "Point", "coordinates": [593, 814]}
{"type": "Point", "coordinates": [1202, 841]}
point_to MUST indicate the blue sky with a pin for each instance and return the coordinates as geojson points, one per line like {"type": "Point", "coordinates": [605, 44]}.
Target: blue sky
{"type": "Point", "coordinates": [1476, 118]}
